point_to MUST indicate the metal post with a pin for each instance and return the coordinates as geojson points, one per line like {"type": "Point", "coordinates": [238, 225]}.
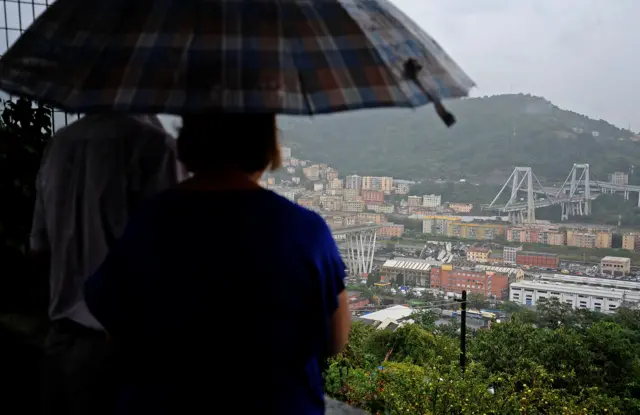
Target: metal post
{"type": "Point", "coordinates": [463, 332]}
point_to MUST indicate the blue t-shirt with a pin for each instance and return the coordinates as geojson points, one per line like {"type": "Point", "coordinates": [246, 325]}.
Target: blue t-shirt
{"type": "Point", "coordinates": [220, 301]}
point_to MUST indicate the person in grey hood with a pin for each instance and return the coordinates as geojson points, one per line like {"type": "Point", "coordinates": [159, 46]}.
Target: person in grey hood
{"type": "Point", "coordinates": [93, 174]}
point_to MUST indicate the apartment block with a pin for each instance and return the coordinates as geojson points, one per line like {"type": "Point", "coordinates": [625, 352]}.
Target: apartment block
{"type": "Point", "coordinates": [431, 201]}
{"type": "Point", "coordinates": [285, 152]}
{"type": "Point", "coordinates": [390, 230]}
{"type": "Point", "coordinates": [478, 254]}
{"type": "Point", "coordinates": [335, 184]}
{"type": "Point", "coordinates": [353, 206]}
{"type": "Point", "coordinates": [619, 178]}
{"type": "Point", "coordinates": [461, 207]}
{"type": "Point", "coordinates": [581, 238]}
{"type": "Point", "coordinates": [509, 254]}
{"type": "Point", "coordinates": [414, 201]}
{"type": "Point", "coordinates": [604, 239]}
{"type": "Point", "coordinates": [384, 184]}
{"type": "Point", "coordinates": [402, 188]}
{"type": "Point", "coordinates": [377, 218]}
{"type": "Point", "coordinates": [353, 182]}
{"type": "Point", "coordinates": [373, 197]}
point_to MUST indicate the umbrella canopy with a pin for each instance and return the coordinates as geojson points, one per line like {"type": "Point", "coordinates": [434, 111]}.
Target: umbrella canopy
{"type": "Point", "coordinates": [186, 56]}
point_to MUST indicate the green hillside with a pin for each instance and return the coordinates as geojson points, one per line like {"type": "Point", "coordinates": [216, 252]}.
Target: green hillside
{"type": "Point", "coordinates": [493, 134]}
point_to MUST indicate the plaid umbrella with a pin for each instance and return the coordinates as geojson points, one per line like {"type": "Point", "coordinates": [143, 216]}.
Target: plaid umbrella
{"type": "Point", "coordinates": [185, 56]}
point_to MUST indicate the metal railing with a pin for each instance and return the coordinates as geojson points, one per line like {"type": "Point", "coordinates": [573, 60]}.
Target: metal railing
{"type": "Point", "coordinates": [15, 17]}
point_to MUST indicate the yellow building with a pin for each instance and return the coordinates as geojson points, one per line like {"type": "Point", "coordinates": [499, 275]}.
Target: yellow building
{"type": "Point", "coordinates": [477, 254]}
{"type": "Point", "coordinates": [629, 242]}
{"type": "Point", "coordinates": [478, 231]}
{"type": "Point", "coordinates": [603, 239]}
{"type": "Point", "coordinates": [581, 238]}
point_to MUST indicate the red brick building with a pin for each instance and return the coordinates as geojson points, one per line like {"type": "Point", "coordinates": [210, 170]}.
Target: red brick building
{"type": "Point", "coordinates": [537, 259]}
{"type": "Point", "coordinates": [373, 197]}
{"type": "Point", "coordinates": [487, 283]}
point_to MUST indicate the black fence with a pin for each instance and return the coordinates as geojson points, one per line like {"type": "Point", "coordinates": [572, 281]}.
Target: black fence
{"type": "Point", "coordinates": [15, 17]}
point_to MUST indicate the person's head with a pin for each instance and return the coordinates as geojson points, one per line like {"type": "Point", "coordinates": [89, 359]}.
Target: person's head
{"type": "Point", "coordinates": [219, 142]}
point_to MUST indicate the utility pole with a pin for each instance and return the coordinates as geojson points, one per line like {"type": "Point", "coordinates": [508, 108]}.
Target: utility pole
{"type": "Point", "coordinates": [463, 332]}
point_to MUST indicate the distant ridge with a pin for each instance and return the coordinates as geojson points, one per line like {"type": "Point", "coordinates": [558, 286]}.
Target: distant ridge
{"type": "Point", "coordinates": [493, 134]}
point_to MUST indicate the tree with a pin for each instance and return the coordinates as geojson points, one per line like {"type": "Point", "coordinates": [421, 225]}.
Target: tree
{"type": "Point", "coordinates": [24, 130]}
{"type": "Point", "coordinates": [477, 301]}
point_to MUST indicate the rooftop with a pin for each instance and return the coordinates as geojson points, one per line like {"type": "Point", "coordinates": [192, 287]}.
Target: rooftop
{"type": "Point", "coordinates": [616, 259]}
{"type": "Point", "coordinates": [611, 293]}
{"type": "Point", "coordinates": [393, 313]}
{"type": "Point", "coordinates": [412, 264]}
{"type": "Point", "coordinates": [537, 254]}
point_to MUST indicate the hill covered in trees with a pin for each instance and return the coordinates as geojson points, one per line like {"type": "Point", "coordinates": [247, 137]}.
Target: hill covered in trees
{"type": "Point", "coordinates": [493, 134]}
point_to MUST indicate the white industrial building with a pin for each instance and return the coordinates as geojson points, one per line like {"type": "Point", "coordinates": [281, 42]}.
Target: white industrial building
{"type": "Point", "coordinates": [606, 300]}
{"type": "Point", "coordinates": [409, 270]}
{"type": "Point", "coordinates": [591, 281]}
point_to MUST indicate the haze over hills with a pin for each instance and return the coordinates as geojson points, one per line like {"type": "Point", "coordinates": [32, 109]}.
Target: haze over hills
{"type": "Point", "coordinates": [493, 134]}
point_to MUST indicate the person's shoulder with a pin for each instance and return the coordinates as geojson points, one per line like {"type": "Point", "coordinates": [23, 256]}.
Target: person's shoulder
{"type": "Point", "coordinates": [302, 216]}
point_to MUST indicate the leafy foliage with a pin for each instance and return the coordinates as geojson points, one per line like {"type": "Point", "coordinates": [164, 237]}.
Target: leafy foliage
{"type": "Point", "coordinates": [493, 134]}
{"type": "Point", "coordinates": [554, 360]}
{"type": "Point", "coordinates": [24, 131]}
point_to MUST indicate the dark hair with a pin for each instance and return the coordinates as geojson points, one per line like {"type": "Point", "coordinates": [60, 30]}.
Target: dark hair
{"type": "Point", "coordinates": [215, 141]}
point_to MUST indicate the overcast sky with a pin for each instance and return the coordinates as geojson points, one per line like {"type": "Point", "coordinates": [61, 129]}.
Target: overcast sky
{"type": "Point", "coordinates": [583, 55]}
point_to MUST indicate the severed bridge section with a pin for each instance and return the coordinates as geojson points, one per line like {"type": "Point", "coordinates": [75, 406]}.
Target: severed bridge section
{"type": "Point", "coordinates": [574, 196]}
{"type": "Point", "coordinates": [360, 245]}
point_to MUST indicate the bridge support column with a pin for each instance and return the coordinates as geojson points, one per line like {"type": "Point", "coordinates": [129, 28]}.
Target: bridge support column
{"type": "Point", "coordinates": [360, 251]}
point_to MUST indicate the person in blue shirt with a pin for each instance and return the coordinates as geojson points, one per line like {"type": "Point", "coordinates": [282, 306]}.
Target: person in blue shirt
{"type": "Point", "coordinates": [222, 296]}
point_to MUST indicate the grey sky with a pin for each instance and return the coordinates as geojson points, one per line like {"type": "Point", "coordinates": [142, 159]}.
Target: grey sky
{"type": "Point", "coordinates": [580, 54]}
{"type": "Point", "coordinates": [583, 55]}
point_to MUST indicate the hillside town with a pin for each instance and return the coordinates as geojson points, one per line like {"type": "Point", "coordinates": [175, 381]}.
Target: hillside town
{"type": "Point", "coordinates": [454, 248]}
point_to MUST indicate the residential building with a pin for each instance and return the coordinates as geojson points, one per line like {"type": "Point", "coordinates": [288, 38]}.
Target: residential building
{"type": "Point", "coordinates": [581, 238]}
{"type": "Point", "coordinates": [351, 194]}
{"type": "Point", "coordinates": [271, 181]}
{"type": "Point", "coordinates": [438, 225]}
{"type": "Point", "coordinates": [629, 242]}
{"type": "Point", "coordinates": [353, 205]}
{"type": "Point", "coordinates": [334, 192]}
{"type": "Point", "coordinates": [353, 182]}
{"type": "Point", "coordinates": [414, 201]}
{"type": "Point", "coordinates": [295, 180]}
{"type": "Point", "coordinates": [332, 174]}
{"type": "Point", "coordinates": [373, 197]}
{"type": "Point", "coordinates": [475, 230]}
{"type": "Point", "coordinates": [384, 184]}
{"type": "Point", "coordinates": [478, 254]}
{"type": "Point", "coordinates": [579, 297]}
{"type": "Point", "coordinates": [537, 259]}
{"type": "Point", "coordinates": [376, 218]}
{"type": "Point", "coordinates": [604, 239]}
{"type": "Point", "coordinates": [548, 235]}
{"type": "Point", "coordinates": [306, 202]}
{"type": "Point", "coordinates": [402, 188]}
{"type": "Point", "coordinates": [331, 203]}
{"type": "Point", "coordinates": [432, 201]}
{"type": "Point", "coordinates": [455, 280]}
{"type": "Point", "coordinates": [390, 230]}
{"type": "Point", "coordinates": [509, 254]}
{"type": "Point", "coordinates": [318, 187]}
{"type": "Point", "coordinates": [461, 207]}
{"type": "Point", "coordinates": [619, 178]}
{"type": "Point", "coordinates": [615, 266]}
{"type": "Point", "coordinates": [311, 172]}
{"type": "Point", "coordinates": [285, 152]}
{"type": "Point", "coordinates": [335, 184]}
{"type": "Point", "coordinates": [496, 257]}
{"type": "Point", "coordinates": [386, 208]}
{"type": "Point", "coordinates": [404, 271]}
